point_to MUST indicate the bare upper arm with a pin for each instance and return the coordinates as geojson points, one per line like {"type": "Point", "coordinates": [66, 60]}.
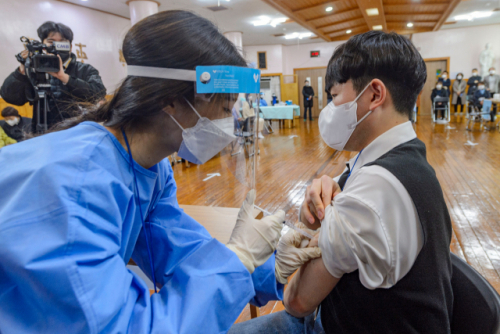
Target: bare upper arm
{"type": "Point", "coordinates": [307, 289]}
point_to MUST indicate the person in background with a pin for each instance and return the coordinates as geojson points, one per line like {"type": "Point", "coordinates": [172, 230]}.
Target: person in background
{"type": "Point", "coordinates": [74, 83]}
{"type": "Point", "coordinates": [441, 92]}
{"type": "Point", "coordinates": [445, 81]}
{"type": "Point", "coordinates": [263, 103]}
{"type": "Point", "coordinates": [247, 111]}
{"type": "Point", "coordinates": [492, 82]}
{"type": "Point", "coordinates": [308, 93]}
{"type": "Point", "coordinates": [15, 126]}
{"type": "Point", "coordinates": [459, 87]}
{"type": "Point", "coordinates": [479, 96]}
{"type": "Point", "coordinates": [5, 140]}
{"type": "Point", "coordinates": [472, 82]}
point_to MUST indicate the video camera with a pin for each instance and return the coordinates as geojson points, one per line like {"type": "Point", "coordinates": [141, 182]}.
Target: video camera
{"type": "Point", "coordinates": [41, 60]}
{"type": "Point", "coordinates": [38, 63]}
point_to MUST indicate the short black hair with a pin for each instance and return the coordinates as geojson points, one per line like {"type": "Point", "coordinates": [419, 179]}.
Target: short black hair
{"type": "Point", "coordinates": [10, 111]}
{"type": "Point", "coordinates": [49, 27]}
{"type": "Point", "coordinates": [444, 72]}
{"type": "Point", "coordinates": [389, 57]}
{"type": "Point", "coordinates": [474, 69]}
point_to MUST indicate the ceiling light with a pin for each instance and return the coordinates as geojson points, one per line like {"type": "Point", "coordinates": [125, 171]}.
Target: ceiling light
{"type": "Point", "coordinates": [409, 24]}
{"type": "Point", "coordinates": [264, 21]}
{"type": "Point", "coordinates": [372, 11]}
{"type": "Point", "coordinates": [298, 35]}
{"type": "Point", "coordinates": [275, 22]}
{"type": "Point", "coordinates": [472, 16]}
{"type": "Point", "coordinates": [329, 9]}
{"type": "Point", "coordinates": [377, 27]}
{"type": "Point", "coordinates": [348, 31]}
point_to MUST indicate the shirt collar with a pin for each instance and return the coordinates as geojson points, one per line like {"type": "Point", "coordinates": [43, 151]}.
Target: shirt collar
{"type": "Point", "coordinates": [398, 135]}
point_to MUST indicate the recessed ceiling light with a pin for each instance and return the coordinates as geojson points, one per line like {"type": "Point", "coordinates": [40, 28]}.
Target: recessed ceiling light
{"type": "Point", "coordinates": [298, 35]}
{"type": "Point", "coordinates": [377, 27]}
{"type": "Point", "coordinates": [472, 16]}
{"type": "Point", "coordinates": [264, 20]}
{"type": "Point", "coordinates": [329, 9]}
{"type": "Point", "coordinates": [372, 11]}
{"type": "Point", "coordinates": [409, 24]}
{"type": "Point", "coordinates": [348, 31]}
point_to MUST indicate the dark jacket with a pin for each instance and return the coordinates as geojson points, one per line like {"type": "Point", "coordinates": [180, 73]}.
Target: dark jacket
{"type": "Point", "coordinates": [84, 85]}
{"type": "Point", "coordinates": [19, 130]}
{"type": "Point", "coordinates": [442, 93]}
{"type": "Point", "coordinates": [473, 84]}
{"type": "Point", "coordinates": [446, 83]}
{"type": "Point", "coordinates": [477, 95]}
{"type": "Point", "coordinates": [308, 91]}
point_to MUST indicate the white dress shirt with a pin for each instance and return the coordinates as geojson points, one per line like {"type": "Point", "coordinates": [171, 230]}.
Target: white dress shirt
{"type": "Point", "coordinates": [373, 224]}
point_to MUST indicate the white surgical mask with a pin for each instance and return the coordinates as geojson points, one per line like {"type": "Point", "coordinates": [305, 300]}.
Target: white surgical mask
{"type": "Point", "coordinates": [444, 76]}
{"type": "Point", "coordinates": [492, 72]}
{"type": "Point", "coordinates": [12, 122]}
{"type": "Point", "coordinates": [439, 86]}
{"type": "Point", "coordinates": [474, 73]}
{"type": "Point", "coordinates": [480, 87]}
{"type": "Point", "coordinates": [459, 77]}
{"type": "Point", "coordinates": [207, 138]}
{"type": "Point", "coordinates": [337, 123]}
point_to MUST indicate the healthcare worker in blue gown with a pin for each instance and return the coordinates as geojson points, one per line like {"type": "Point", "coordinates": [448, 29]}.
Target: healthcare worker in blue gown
{"type": "Point", "coordinates": [76, 204]}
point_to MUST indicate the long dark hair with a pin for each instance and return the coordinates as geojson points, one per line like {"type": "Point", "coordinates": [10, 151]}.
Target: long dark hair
{"type": "Point", "coordinates": [171, 39]}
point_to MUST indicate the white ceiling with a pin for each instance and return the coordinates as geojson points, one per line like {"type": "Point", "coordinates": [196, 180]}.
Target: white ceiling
{"type": "Point", "coordinates": [237, 18]}
{"type": "Point", "coordinates": [469, 6]}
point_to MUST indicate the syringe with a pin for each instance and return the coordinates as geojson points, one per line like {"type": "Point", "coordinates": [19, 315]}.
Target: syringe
{"type": "Point", "coordinates": [287, 223]}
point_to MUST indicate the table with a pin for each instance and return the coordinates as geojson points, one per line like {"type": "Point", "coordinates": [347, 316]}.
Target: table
{"type": "Point", "coordinates": [280, 112]}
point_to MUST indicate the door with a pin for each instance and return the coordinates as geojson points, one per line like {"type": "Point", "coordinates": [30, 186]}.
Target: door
{"type": "Point", "coordinates": [317, 80]}
{"type": "Point", "coordinates": [433, 67]}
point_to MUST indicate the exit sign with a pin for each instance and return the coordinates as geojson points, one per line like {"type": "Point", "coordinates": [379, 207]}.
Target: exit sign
{"type": "Point", "coordinates": [314, 54]}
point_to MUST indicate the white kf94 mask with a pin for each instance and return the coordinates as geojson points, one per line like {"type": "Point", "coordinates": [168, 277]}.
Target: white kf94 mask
{"type": "Point", "coordinates": [204, 140]}
{"type": "Point", "coordinates": [337, 123]}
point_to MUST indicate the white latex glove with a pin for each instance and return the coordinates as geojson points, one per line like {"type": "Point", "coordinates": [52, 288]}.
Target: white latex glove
{"type": "Point", "coordinates": [253, 240]}
{"type": "Point", "coordinates": [293, 252]}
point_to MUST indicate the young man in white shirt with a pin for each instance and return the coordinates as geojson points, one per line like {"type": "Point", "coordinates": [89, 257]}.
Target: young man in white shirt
{"type": "Point", "coordinates": [385, 229]}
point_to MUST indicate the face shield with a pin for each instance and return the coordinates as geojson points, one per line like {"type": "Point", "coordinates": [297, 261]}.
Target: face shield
{"type": "Point", "coordinates": [227, 97]}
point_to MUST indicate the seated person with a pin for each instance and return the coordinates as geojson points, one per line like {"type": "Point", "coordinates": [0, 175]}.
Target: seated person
{"type": "Point", "coordinates": [5, 140]}
{"type": "Point", "coordinates": [445, 81]}
{"type": "Point", "coordinates": [441, 92]}
{"type": "Point", "coordinates": [385, 229]}
{"type": "Point", "coordinates": [262, 102]}
{"type": "Point", "coordinates": [14, 125]}
{"type": "Point", "coordinates": [247, 111]}
{"type": "Point", "coordinates": [479, 96]}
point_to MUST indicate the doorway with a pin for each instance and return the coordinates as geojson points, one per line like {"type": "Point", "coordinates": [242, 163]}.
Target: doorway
{"type": "Point", "coordinates": [316, 77]}
{"type": "Point", "coordinates": [434, 66]}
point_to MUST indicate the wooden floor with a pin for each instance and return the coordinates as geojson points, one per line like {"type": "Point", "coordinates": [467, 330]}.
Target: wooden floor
{"type": "Point", "coordinates": [291, 158]}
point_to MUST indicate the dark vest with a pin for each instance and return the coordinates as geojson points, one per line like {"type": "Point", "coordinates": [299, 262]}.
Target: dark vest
{"type": "Point", "coordinates": [422, 301]}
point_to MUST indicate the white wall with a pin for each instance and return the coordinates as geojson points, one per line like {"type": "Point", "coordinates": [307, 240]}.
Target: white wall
{"type": "Point", "coordinates": [462, 45]}
{"type": "Point", "coordinates": [101, 33]}
{"type": "Point", "coordinates": [274, 56]}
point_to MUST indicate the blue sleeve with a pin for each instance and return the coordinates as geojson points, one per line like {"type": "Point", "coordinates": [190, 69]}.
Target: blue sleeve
{"type": "Point", "coordinates": [203, 283]}
{"type": "Point", "coordinates": [267, 288]}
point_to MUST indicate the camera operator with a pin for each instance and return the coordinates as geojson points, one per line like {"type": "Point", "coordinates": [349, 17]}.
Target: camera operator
{"type": "Point", "coordinates": [74, 83]}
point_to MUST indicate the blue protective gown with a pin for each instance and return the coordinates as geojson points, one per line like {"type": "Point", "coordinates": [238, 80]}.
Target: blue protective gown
{"type": "Point", "coordinates": [69, 225]}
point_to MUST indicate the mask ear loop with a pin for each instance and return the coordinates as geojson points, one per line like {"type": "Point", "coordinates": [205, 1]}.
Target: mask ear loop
{"type": "Point", "coordinates": [192, 107]}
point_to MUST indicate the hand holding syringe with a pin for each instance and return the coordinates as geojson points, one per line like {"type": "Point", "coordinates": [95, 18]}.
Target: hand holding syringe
{"type": "Point", "coordinates": [287, 223]}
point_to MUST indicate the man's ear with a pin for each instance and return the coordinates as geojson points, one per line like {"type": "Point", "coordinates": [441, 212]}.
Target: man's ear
{"type": "Point", "coordinates": [379, 94]}
{"type": "Point", "coordinates": [169, 109]}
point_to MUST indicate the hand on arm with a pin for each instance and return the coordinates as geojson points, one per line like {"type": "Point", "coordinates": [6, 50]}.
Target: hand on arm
{"type": "Point", "coordinates": [318, 196]}
{"type": "Point", "coordinates": [294, 250]}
